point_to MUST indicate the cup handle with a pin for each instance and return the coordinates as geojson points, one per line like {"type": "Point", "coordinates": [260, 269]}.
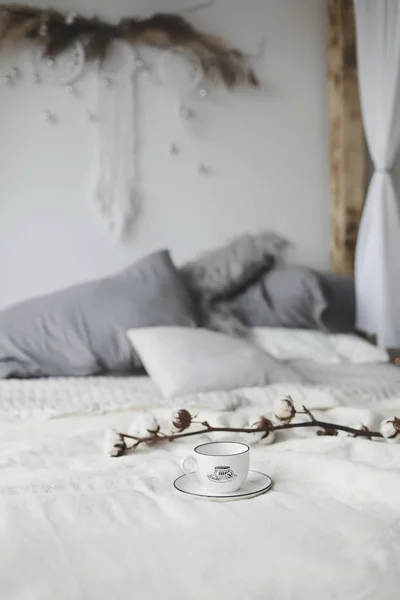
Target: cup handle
{"type": "Point", "coordinates": [188, 465]}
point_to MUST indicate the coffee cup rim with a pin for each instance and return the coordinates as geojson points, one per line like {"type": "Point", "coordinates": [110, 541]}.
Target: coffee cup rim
{"type": "Point", "coordinates": [247, 448]}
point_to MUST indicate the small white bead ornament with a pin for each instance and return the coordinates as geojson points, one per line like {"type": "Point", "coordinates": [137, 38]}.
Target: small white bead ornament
{"type": "Point", "coordinates": [186, 113]}
{"type": "Point", "coordinates": [203, 169]}
{"type": "Point", "coordinates": [173, 149]}
{"type": "Point", "coordinates": [49, 117]}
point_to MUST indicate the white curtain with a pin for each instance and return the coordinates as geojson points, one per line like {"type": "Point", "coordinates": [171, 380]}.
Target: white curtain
{"type": "Point", "coordinates": [377, 268]}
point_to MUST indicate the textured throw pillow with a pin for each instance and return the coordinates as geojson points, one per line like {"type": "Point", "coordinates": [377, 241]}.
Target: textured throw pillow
{"type": "Point", "coordinates": [221, 273]}
{"type": "Point", "coordinates": [299, 298]}
{"type": "Point", "coordinates": [187, 361]}
{"type": "Point", "coordinates": [81, 330]}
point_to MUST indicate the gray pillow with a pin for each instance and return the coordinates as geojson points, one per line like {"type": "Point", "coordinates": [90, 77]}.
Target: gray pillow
{"type": "Point", "coordinates": [81, 330]}
{"type": "Point", "coordinates": [299, 298]}
{"type": "Point", "coordinates": [339, 315]}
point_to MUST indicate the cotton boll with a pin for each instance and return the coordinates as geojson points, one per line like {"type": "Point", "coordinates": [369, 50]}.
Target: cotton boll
{"type": "Point", "coordinates": [143, 425]}
{"type": "Point", "coordinates": [260, 437]}
{"type": "Point", "coordinates": [284, 409]}
{"type": "Point", "coordinates": [269, 439]}
{"type": "Point", "coordinates": [358, 425]}
{"type": "Point", "coordinates": [181, 419]}
{"type": "Point", "coordinates": [390, 429]}
{"type": "Point", "coordinates": [114, 444]}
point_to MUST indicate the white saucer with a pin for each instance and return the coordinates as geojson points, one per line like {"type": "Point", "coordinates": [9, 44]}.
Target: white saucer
{"type": "Point", "coordinates": [256, 484]}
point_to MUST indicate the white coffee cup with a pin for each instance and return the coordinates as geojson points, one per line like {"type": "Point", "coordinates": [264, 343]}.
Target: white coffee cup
{"type": "Point", "coordinates": [219, 466]}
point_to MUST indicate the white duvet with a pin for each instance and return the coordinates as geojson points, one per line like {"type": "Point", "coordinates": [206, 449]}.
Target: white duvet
{"type": "Point", "coordinates": [76, 525]}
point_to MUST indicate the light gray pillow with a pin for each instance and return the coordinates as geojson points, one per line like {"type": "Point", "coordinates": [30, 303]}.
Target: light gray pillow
{"type": "Point", "coordinates": [185, 361]}
{"type": "Point", "coordinates": [299, 298]}
{"type": "Point", "coordinates": [287, 296]}
{"type": "Point", "coordinates": [340, 313]}
{"type": "Point", "coordinates": [81, 330]}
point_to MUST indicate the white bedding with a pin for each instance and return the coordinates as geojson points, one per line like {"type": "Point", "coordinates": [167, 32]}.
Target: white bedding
{"type": "Point", "coordinates": [54, 397]}
{"type": "Point", "coordinates": [357, 382]}
{"type": "Point", "coordinates": [75, 525]}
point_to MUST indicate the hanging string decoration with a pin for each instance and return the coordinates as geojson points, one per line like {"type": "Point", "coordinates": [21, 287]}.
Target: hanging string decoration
{"type": "Point", "coordinates": [113, 184]}
{"type": "Point", "coordinates": [58, 32]}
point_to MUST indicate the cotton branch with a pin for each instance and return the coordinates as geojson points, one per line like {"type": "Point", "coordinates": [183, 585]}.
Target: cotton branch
{"type": "Point", "coordinates": [182, 421]}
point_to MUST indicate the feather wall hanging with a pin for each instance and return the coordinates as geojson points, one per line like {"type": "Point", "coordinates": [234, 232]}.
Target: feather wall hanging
{"type": "Point", "coordinates": [58, 31]}
{"type": "Point", "coordinates": [64, 42]}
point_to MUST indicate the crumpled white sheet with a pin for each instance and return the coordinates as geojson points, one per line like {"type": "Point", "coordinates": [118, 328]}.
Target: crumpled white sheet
{"type": "Point", "coordinates": [75, 524]}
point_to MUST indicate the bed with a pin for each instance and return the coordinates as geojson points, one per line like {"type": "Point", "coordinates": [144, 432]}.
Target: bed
{"type": "Point", "coordinates": [77, 524]}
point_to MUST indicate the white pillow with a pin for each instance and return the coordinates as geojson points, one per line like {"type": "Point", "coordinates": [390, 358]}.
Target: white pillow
{"type": "Point", "coordinates": [355, 350]}
{"type": "Point", "coordinates": [292, 344]}
{"type": "Point", "coordinates": [185, 361]}
{"type": "Point", "coordinates": [305, 344]}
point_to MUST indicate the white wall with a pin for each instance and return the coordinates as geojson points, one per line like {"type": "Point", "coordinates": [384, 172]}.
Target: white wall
{"type": "Point", "coordinates": [268, 150]}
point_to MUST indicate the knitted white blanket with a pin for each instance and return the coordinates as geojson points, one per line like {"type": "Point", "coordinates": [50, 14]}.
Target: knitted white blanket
{"type": "Point", "coordinates": [346, 384]}
{"type": "Point", "coordinates": [75, 525]}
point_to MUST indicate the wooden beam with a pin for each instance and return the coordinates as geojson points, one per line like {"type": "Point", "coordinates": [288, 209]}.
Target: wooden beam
{"type": "Point", "coordinates": [347, 145]}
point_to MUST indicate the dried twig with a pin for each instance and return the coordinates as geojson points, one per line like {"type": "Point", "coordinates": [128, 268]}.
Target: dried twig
{"type": "Point", "coordinates": [309, 413]}
{"type": "Point", "coordinates": [207, 428]}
